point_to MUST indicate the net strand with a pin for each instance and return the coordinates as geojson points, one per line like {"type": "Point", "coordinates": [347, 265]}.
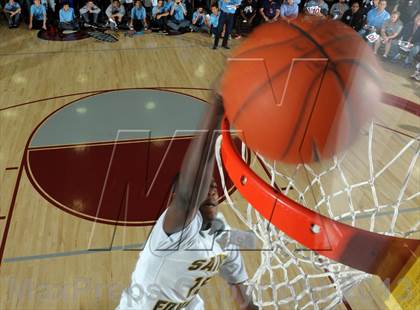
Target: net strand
{"type": "Point", "coordinates": [289, 275]}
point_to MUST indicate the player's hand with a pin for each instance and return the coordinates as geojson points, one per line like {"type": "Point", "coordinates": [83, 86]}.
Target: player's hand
{"type": "Point", "coordinates": [30, 26]}
{"type": "Point", "coordinates": [44, 27]}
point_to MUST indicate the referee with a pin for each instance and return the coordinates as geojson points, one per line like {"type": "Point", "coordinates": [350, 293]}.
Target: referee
{"type": "Point", "coordinates": [227, 12]}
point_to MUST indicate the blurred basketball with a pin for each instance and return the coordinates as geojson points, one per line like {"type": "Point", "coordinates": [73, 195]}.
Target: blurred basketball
{"type": "Point", "coordinates": [300, 91]}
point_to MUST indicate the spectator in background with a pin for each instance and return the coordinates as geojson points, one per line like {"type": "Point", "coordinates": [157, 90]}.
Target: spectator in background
{"type": "Point", "coordinates": [12, 11]}
{"type": "Point", "coordinates": [411, 34]}
{"type": "Point", "coordinates": [198, 21]}
{"type": "Point", "coordinates": [390, 30]}
{"type": "Point", "coordinates": [375, 19]}
{"type": "Point", "coordinates": [408, 9]}
{"type": "Point", "coordinates": [289, 9]}
{"type": "Point", "coordinates": [337, 10]}
{"type": "Point", "coordinates": [316, 8]}
{"type": "Point", "coordinates": [128, 5]}
{"type": "Point", "coordinates": [67, 18]}
{"type": "Point", "coordinates": [270, 11]}
{"type": "Point", "coordinates": [177, 21]}
{"type": "Point", "coordinates": [168, 5]}
{"type": "Point", "coordinates": [246, 19]}
{"type": "Point", "coordinates": [212, 21]}
{"type": "Point", "coordinates": [148, 4]}
{"type": "Point", "coordinates": [159, 17]}
{"type": "Point", "coordinates": [89, 13]}
{"type": "Point", "coordinates": [115, 13]}
{"type": "Point", "coordinates": [367, 5]}
{"type": "Point", "coordinates": [38, 16]}
{"type": "Point", "coordinates": [138, 17]}
{"type": "Point", "coordinates": [353, 17]}
{"type": "Point", "coordinates": [227, 12]}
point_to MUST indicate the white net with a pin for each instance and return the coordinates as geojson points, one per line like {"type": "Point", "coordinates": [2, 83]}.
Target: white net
{"type": "Point", "coordinates": [373, 186]}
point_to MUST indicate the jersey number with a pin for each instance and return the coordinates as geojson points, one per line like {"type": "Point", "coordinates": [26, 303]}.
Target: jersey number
{"type": "Point", "coordinates": [198, 283]}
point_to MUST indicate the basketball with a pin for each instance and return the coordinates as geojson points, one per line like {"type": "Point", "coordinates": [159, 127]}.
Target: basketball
{"type": "Point", "coordinates": [301, 91]}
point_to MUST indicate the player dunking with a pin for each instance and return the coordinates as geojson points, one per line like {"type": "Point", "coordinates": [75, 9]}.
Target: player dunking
{"type": "Point", "coordinates": [182, 254]}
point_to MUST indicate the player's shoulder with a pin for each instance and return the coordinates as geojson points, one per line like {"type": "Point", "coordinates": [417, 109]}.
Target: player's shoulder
{"type": "Point", "coordinates": [161, 243]}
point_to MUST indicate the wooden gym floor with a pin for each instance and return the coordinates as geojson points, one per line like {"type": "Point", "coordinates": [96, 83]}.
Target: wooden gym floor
{"type": "Point", "coordinates": [44, 262]}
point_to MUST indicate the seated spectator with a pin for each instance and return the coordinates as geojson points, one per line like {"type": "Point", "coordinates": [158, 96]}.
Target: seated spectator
{"type": "Point", "coordinates": [198, 21]}
{"type": "Point", "coordinates": [375, 19]}
{"type": "Point", "coordinates": [67, 18]}
{"type": "Point", "coordinates": [316, 8]}
{"type": "Point", "coordinates": [270, 11]}
{"type": "Point", "coordinates": [246, 19]}
{"type": "Point", "coordinates": [391, 29]}
{"type": "Point", "coordinates": [12, 10]}
{"type": "Point", "coordinates": [289, 9]}
{"type": "Point", "coordinates": [354, 17]}
{"type": "Point", "coordinates": [411, 34]}
{"type": "Point", "coordinates": [212, 21]}
{"type": "Point", "coordinates": [115, 13]}
{"type": "Point", "coordinates": [177, 21]}
{"type": "Point", "coordinates": [89, 13]}
{"type": "Point", "coordinates": [337, 10]}
{"type": "Point", "coordinates": [138, 17]}
{"type": "Point", "coordinates": [159, 17]}
{"type": "Point", "coordinates": [37, 16]}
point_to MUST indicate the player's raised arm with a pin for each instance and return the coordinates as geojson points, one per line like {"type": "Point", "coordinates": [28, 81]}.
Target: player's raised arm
{"type": "Point", "coordinates": [196, 172]}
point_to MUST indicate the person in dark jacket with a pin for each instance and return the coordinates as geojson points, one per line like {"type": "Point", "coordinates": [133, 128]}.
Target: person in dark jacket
{"type": "Point", "coordinates": [354, 17]}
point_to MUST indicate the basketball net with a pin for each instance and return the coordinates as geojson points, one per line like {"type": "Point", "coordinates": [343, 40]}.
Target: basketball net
{"type": "Point", "coordinates": [357, 187]}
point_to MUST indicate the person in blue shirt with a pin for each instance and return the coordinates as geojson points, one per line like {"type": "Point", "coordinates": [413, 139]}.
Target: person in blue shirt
{"type": "Point", "coordinates": [167, 5]}
{"type": "Point", "coordinates": [67, 18]}
{"type": "Point", "coordinates": [375, 19]}
{"type": "Point", "coordinates": [289, 9]}
{"type": "Point", "coordinates": [12, 10]}
{"type": "Point", "coordinates": [270, 11]}
{"type": "Point", "coordinates": [138, 17]}
{"type": "Point", "coordinates": [177, 21]}
{"type": "Point", "coordinates": [37, 16]}
{"type": "Point", "coordinates": [226, 19]}
{"type": "Point", "coordinates": [212, 21]}
{"type": "Point", "coordinates": [159, 17]}
{"type": "Point", "coordinates": [198, 22]}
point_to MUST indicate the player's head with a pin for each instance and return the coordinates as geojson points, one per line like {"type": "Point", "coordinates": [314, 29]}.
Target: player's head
{"type": "Point", "coordinates": [138, 3]}
{"type": "Point", "coordinates": [214, 9]}
{"type": "Point", "coordinates": [208, 208]}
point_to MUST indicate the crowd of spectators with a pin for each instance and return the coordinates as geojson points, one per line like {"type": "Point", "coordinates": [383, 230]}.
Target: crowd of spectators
{"type": "Point", "coordinates": [384, 24]}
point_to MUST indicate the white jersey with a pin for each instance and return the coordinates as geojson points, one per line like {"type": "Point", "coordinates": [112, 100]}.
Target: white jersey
{"type": "Point", "coordinates": [172, 269]}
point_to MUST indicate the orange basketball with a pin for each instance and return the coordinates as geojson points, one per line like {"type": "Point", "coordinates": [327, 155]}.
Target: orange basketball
{"type": "Point", "coordinates": [301, 90]}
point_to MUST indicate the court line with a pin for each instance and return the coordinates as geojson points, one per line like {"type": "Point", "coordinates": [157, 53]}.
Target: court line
{"type": "Point", "coordinates": [101, 91]}
{"type": "Point", "coordinates": [11, 168]}
{"type": "Point", "coordinates": [11, 208]}
{"type": "Point", "coordinates": [97, 50]}
{"type": "Point", "coordinates": [129, 247]}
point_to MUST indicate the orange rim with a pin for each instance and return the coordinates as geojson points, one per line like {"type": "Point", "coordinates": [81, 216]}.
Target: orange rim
{"type": "Point", "coordinates": [360, 249]}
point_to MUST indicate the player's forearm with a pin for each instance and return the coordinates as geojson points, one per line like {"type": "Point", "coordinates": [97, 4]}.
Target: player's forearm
{"type": "Point", "coordinates": [197, 168]}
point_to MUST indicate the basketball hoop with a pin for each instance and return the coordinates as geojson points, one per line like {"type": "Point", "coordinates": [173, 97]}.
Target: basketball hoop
{"type": "Point", "coordinates": [303, 223]}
